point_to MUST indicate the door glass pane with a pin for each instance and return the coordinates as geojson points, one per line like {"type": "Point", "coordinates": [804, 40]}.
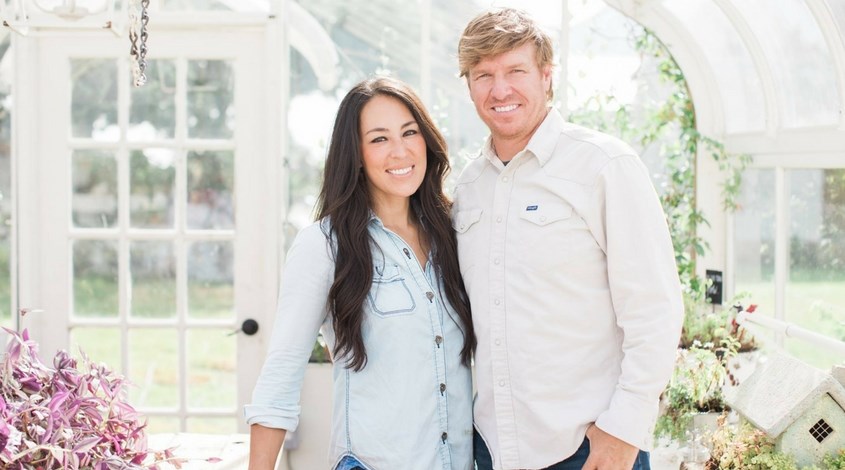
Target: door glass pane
{"type": "Point", "coordinates": [153, 112]}
{"type": "Point", "coordinates": [211, 108]}
{"type": "Point", "coordinates": [152, 176]}
{"type": "Point", "coordinates": [95, 278]}
{"type": "Point", "coordinates": [94, 101]}
{"type": "Point", "coordinates": [94, 175]}
{"type": "Point", "coordinates": [210, 190]}
{"type": "Point", "coordinates": [212, 380]}
{"type": "Point", "coordinates": [153, 273]}
{"type": "Point", "coordinates": [211, 280]}
{"type": "Point", "coordinates": [153, 367]}
{"type": "Point", "coordinates": [815, 293]}
{"type": "Point", "coordinates": [100, 344]}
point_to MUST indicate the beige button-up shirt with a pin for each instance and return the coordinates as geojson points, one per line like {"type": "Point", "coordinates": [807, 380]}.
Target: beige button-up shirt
{"type": "Point", "coordinates": [575, 295]}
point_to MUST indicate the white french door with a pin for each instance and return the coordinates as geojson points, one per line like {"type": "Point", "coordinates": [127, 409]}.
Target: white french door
{"type": "Point", "coordinates": [149, 216]}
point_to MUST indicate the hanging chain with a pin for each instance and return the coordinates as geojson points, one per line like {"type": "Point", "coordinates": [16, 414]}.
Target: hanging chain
{"type": "Point", "coordinates": [138, 19]}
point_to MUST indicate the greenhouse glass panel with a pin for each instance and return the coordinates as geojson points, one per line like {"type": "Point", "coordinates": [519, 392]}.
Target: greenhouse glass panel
{"type": "Point", "coordinates": [153, 279]}
{"type": "Point", "coordinates": [152, 175]}
{"type": "Point", "coordinates": [154, 368]}
{"type": "Point", "coordinates": [211, 189]}
{"type": "Point", "coordinates": [211, 280]}
{"type": "Point", "coordinates": [215, 5]}
{"type": "Point", "coordinates": [838, 9]}
{"type": "Point", "coordinates": [94, 101]}
{"type": "Point", "coordinates": [95, 283]}
{"type": "Point", "coordinates": [153, 112]}
{"type": "Point", "coordinates": [815, 292]}
{"type": "Point", "coordinates": [94, 199]}
{"type": "Point", "coordinates": [754, 240]}
{"type": "Point", "coordinates": [799, 59]}
{"type": "Point", "coordinates": [728, 59]}
{"type": "Point", "coordinates": [211, 111]}
{"type": "Point", "coordinates": [212, 380]}
{"type": "Point", "coordinates": [100, 344]}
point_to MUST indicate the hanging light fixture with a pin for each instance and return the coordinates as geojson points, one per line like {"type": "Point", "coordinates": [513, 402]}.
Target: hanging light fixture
{"type": "Point", "coordinates": [24, 16]}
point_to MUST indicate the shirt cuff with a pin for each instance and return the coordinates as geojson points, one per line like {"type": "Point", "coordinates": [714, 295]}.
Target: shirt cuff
{"type": "Point", "coordinates": [271, 417]}
{"type": "Point", "coordinates": [630, 419]}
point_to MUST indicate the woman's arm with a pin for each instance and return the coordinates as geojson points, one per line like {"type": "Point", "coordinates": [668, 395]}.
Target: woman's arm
{"type": "Point", "coordinates": [264, 446]}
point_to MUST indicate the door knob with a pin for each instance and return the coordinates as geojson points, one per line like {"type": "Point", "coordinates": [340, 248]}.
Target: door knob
{"type": "Point", "coordinates": [249, 327]}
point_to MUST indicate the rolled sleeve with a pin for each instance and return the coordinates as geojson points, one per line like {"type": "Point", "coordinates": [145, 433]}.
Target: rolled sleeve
{"type": "Point", "coordinates": [301, 311]}
{"type": "Point", "coordinates": [646, 297]}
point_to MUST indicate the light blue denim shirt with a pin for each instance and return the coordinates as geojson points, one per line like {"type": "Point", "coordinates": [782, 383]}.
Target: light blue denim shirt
{"type": "Point", "coordinates": [411, 405]}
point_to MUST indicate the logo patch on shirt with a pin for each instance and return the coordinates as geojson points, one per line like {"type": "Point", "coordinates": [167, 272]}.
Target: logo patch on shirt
{"type": "Point", "coordinates": [532, 208]}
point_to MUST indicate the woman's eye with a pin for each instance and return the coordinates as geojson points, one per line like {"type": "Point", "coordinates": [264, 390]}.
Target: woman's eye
{"type": "Point", "coordinates": [378, 139]}
{"type": "Point", "coordinates": [410, 132]}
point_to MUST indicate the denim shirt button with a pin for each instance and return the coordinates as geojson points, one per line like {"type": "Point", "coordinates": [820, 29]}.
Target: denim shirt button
{"type": "Point", "coordinates": [437, 340]}
{"type": "Point", "coordinates": [443, 437]}
{"type": "Point", "coordinates": [442, 388]}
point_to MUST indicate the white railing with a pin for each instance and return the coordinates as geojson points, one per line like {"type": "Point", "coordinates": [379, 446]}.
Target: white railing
{"type": "Point", "coordinates": [793, 331]}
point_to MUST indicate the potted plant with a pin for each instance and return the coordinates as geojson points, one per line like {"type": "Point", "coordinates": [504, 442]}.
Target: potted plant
{"type": "Point", "coordinates": [743, 447]}
{"type": "Point", "coordinates": [695, 389]}
{"type": "Point", "coordinates": [73, 415]}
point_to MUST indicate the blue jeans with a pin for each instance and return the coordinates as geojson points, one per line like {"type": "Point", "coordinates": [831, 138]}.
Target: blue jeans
{"type": "Point", "coordinates": [349, 463]}
{"type": "Point", "coordinates": [483, 461]}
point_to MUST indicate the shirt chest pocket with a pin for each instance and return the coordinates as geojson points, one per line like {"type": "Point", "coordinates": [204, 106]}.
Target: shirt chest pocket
{"type": "Point", "coordinates": [551, 235]}
{"type": "Point", "coordinates": [389, 294]}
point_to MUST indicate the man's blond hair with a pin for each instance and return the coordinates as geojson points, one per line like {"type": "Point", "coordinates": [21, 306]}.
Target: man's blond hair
{"type": "Point", "coordinates": [500, 30]}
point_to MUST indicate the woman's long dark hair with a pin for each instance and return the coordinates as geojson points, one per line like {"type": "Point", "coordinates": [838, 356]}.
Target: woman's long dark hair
{"type": "Point", "coordinates": [345, 201]}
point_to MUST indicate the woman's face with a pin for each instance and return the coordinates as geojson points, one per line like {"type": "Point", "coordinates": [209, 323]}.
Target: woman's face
{"type": "Point", "coordinates": [393, 148]}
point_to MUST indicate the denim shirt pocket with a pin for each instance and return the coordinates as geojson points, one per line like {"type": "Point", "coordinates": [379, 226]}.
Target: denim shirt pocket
{"type": "Point", "coordinates": [389, 294]}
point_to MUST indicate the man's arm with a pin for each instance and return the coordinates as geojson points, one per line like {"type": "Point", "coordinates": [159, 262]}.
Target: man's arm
{"type": "Point", "coordinates": [646, 296]}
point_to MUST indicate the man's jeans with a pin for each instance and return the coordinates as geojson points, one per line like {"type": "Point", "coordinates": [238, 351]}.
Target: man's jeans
{"type": "Point", "coordinates": [483, 461]}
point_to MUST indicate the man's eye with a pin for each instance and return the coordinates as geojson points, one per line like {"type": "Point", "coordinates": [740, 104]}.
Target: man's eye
{"type": "Point", "coordinates": [482, 76]}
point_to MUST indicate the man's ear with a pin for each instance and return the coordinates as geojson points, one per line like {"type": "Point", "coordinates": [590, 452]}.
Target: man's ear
{"type": "Point", "coordinates": [546, 71]}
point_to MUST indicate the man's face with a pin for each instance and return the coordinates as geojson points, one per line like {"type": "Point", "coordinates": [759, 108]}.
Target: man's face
{"type": "Point", "coordinates": [509, 91]}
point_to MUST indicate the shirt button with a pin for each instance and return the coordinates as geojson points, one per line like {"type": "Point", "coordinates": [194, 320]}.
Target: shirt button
{"type": "Point", "coordinates": [443, 437]}
{"type": "Point", "coordinates": [438, 339]}
{"type": "Point", "coordinates": [499, 219]}
{"type": "Point", "coordinates": [497, 342]}
{"type": "Point", "coordinates": [497, 301]}
{"type": "Point", "coordinates": [505, 179]}
{"type": "Point", "coordinates": [463, 226]}
{"type": "Point", "coordinates": [501, 383]}
{"type": "Point", "coordinates": [496, 261]}
{"type": "Point", "coordinates": [442, 388]}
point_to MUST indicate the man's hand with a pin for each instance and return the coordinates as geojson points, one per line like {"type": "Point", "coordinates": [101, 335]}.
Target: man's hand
{"type": "Point", "coordinates": [608, 452]}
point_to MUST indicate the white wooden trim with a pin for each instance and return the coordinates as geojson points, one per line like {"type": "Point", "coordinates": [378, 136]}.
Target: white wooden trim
{"type": "Point", "coordinates": [833, 38]}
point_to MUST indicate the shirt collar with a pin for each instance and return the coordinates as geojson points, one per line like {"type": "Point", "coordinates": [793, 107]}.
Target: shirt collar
{"type": "Point", "coordinates": [542, 143]}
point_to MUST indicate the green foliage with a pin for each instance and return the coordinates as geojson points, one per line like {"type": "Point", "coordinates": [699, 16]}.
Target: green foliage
{"type": "Point", "coordinates": [744, 447]}
{"type": "Point", "coordinates": [710, 325]}
{"type": "Point", "coordinates": [835, 461]}
{"type": "Point", "coordinates": [695, 387]}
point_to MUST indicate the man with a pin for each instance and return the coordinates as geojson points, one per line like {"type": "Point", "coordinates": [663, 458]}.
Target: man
{"type": "Point", "coordinates": [567, 259]}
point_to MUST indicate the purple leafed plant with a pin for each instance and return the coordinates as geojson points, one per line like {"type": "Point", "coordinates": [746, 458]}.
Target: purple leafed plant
{"type": "Point", "coordinates": [69, 416]}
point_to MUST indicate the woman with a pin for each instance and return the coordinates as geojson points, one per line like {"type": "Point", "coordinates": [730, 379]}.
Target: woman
{"type": "Point", "coordinates": [378, 274]}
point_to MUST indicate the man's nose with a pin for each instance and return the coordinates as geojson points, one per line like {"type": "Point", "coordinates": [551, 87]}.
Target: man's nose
{"type": "Point", "coordinates": [501, 88]}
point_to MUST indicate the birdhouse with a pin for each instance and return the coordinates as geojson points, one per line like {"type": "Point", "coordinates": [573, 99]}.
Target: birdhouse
{"type": "Point", "coordinates": [800, 407]}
